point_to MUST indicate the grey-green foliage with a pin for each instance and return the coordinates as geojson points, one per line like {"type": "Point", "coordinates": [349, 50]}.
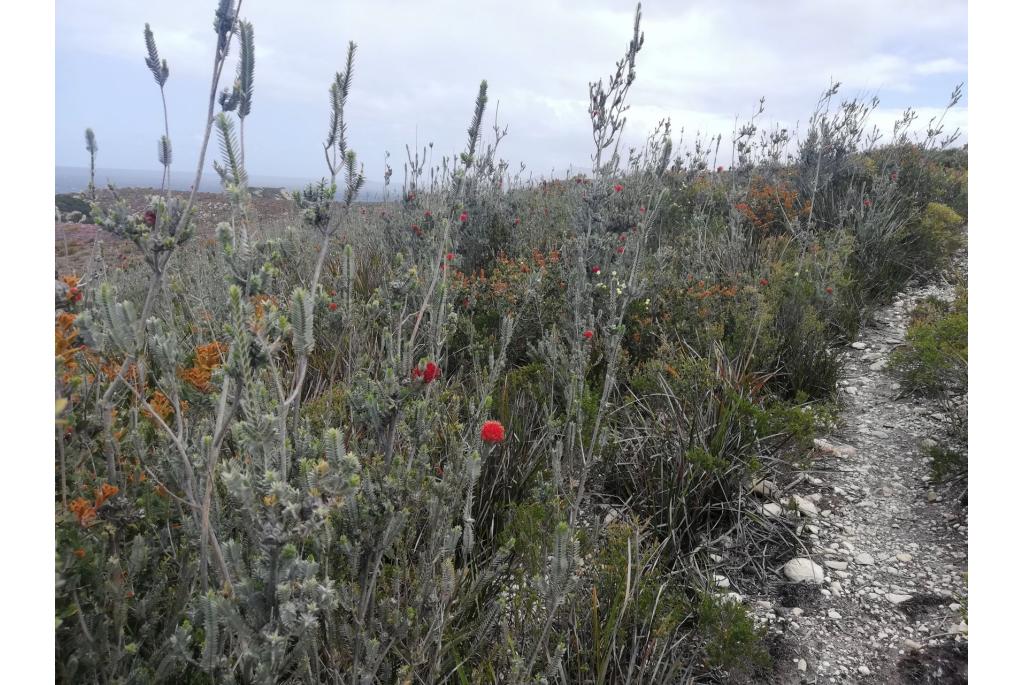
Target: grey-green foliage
{"type": "Point", "coordinates": [232, 173]}
{"type": "Point", "coordinates": [112, 325]}
{"type": "Point", "coordinates": [246, 68]}
{"type": "Point", "coordinates": [157, 66]}
{"type": "Point", "coordinates": [164, 154]}
{"type": "Point", "coordinates": [92, 148]}
{"type": "Point", "coordinates": [158, 231]}
{"type": "Point", "coordinates": [302, 321]}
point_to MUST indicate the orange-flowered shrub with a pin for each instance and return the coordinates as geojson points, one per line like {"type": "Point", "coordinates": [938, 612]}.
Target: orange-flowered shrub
{"type": "Point", "coordinates": [770, 207]}
{"type": "Point", "coordinates": [208, 358]}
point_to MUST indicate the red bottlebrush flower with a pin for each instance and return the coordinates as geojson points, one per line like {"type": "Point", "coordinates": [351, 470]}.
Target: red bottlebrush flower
{"type": "Point", "coordinates": [450, 256]}
{"type": "Point", "coordinates": [763, 282]}
{"type": "Point", "coordinates": [492, 432]}
{"type": "Point", "coordinates": [892, 176]}
{"type": "Point", "coordinates": [867, 203]}
{"type": "Point", "coordinates": [465, 303]}
{"type": "Point", "coordinates": [618, 188]}
{"type": "Point", "coordinates": [149, 218]}
{"type": "Point", "coordinates": [464, 217]}
{"type": "Point", "coordinates": [720, 169]}
{"type": "Point", "coordinates": [74, 295]}
{"type": "Point", "coordinates": [516, 222]}
{"type": "Point", "coordinates": [643, 209]}
{"type": "Point", "coordinates": [621, 250]}
{"type": "Point", "coordinates": [622, 237]}
{"type": "Point", "coordinates": [588, 334]}
{"type": "Point", "coordinates": [595, 269]}
{"type": "Point", "coordinates": [415, 228]}
{"type": "Point", "coordinates": [333, 306]}
{"type": "Point", "coordinates": [829, 290]}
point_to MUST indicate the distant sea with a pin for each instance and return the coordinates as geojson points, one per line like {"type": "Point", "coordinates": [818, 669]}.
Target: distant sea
{"type": "Point", "coordinates": [69, 179]}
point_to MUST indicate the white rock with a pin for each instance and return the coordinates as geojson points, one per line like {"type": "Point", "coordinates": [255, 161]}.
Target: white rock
{"type": "Point", "coordinates": [859, 345]}
{"type": "Point", "coordinates": [801, 665]}
{"type": "Point", "coordinates": [910, 644]}
{"type": "Point", "coordinates": [765, 488]}
{"type": "Point", "coordinates": [720, 581]}
{"type": "Point", "coordinates": [836, 565]}
{"type": "Point", "coordinates": [833, 614]}
{"type": "Point", "coordinates": [864, 670]}
{"type": "Point", "coordinates": [771, 508]}
{"type": "Point", "coordinates": [864, 559]}
{"type": "Point", "coordinates": [805, 506]}
{"type": "Point", "coordinates": [802, 569]}
{"type": "Point", "coordinates": [896, 598]}
{"type": "Point", "coordinates": [903, 557]}
{"type": "Point", "coordinates": [797, 611]}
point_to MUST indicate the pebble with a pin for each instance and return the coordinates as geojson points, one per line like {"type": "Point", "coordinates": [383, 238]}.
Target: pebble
{"type": "Point", "coordinates": [833, 614]}
{"type": "Point", "coordinates": [864, 559]}
{"type": "Point", "coordinates": [802, 569]}
{"type": "Point", "coordinates": [836, 565]}
{"type": "Point", "coordinates": [859, 345]}
{"type": "Point", "coordinates": [801, 665]}
{"type": "Point", "coordinates": [896, 598]}
{"type": "Point", "coordinates": [864, 670]}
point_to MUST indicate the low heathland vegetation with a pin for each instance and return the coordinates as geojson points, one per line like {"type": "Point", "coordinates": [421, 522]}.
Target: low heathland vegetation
{"type": "Point", "coordinates": [495, 431]}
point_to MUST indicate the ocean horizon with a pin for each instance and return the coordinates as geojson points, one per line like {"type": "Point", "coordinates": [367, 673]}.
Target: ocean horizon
{"type": "Point", "coordinates": [69, 179]}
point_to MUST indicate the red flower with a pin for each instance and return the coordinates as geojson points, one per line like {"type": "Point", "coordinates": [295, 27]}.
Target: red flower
{"type": "Point", "coordinates": [621, 250]}
{"type": "Point", "coordinates": [763, 282]}
{"type": "Point", "coordinates": [618, 188]}
{"type": "Point", "coordinates": [450, 256]}
{"type": "Point", "coordinates": [829, 290]}
{"type": "Point", "coordinates": [588, 334]}
{"type": "Point", "coordinates": [492, 432]}
{"type": "Point", "coordinates": [595, 269]}
{"type": "Point", "coordinates": [643, 209]}
{"type": "Point", "coordinates": [333, 306]}
{"type": "Point", "coordinates": [892, 176]}
{"type": "Point", "coordinates": [516, 222]}
{"type": "Point", "coordinates": [622, 237]}
{"type": "Point", "coordinates": [428, 374]}
{"type": "Point", "coordinates": [721, 169]}
{"type": "Point", "coordinates": [464, 217]}
{"type": "Point", "coordinates": [149, 217]}
{"type": "Point", "coordinates": [431, 372]}
{"type": "Point", "coordinates": [867, 203]}
{"type": "Point", "coordinates": [334, 293]}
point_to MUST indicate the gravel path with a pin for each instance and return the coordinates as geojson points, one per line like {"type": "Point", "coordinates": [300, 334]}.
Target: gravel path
{"type": "Point", "coordinates": [892, 548]}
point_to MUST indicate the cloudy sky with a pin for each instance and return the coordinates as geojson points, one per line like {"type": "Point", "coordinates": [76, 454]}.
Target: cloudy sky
{"type": "Point", "coordinates": [704, 63]}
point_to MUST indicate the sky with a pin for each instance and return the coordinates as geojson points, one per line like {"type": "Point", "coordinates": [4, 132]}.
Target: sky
{"type": "Point", "coordinates": [704, 63]}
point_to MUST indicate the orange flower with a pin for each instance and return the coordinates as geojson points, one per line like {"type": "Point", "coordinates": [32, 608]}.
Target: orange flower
{"type": "Point", "coordinates": [162, 406]}
{"type": "Point", "coordinates": [208, 357]}
{"type": "Point", "coordinates": [80, 553]}
{"type": "Point", "coordinates": [105, 492]}
{"type": "Point", "coordinates": [83, 510]}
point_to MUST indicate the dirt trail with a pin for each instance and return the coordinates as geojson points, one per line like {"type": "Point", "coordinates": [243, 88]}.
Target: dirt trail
{"type": "Point", "coordinates": [893, 548]}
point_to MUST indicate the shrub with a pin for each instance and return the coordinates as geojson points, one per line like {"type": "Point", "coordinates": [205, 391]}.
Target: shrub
{"type": "Point", "coordinates": [934, 359]}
